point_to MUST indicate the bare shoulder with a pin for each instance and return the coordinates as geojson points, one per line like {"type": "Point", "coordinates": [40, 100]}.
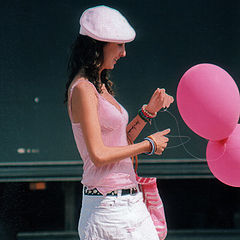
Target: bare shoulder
{"type": "Point", "coordinates": [84, 84]}
{"type": "Point", "coordinates": [84, 89]}
{"type": "Point", "coordinates": [84, 101]}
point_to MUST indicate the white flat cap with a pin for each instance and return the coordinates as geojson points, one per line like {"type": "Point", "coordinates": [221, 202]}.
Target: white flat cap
{"type": "Point", "coordinates": [106, 24]}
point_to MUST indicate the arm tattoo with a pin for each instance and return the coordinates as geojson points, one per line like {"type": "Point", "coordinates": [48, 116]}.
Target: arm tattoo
{"type": "Point", "coordinates": [134, 126]}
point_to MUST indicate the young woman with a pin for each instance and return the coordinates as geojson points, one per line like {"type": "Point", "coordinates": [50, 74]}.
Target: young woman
{"type": "Point", "coordinates": [112, 206]}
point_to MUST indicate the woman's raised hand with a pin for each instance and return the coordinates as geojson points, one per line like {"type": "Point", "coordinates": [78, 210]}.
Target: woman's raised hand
{"type": "Point", "coordinates": [160, 99]}
{"type": "Point", "coordinates": [160, 140]}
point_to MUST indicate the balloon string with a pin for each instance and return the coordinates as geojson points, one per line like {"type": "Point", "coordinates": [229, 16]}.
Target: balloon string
{"type": "Point", "coordinates": [180, 137]}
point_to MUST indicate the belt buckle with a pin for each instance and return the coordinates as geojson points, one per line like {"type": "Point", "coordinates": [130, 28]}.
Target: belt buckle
{"type": "Point", "coordinates": [133, 190]}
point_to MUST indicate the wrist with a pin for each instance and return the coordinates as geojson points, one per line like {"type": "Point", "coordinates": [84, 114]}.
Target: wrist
{"type": "Point", "coordinates": [149, 109]}
{"type": "Point", "coordinates": [144, 117]}
{"type": "Point", "coordinates": [147, 146]}
{"type": "Point", "coordinates": [152, 144]}
{"type": "Point", "coordinates": [149, 112]}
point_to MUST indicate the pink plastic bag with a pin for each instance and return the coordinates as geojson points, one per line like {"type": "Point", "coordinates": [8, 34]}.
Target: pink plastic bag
{"type": "Point", "coordinates": [154, 204]}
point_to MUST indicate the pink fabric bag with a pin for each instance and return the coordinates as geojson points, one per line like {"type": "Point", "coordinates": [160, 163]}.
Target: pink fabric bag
{"type": "Point", "coordinates": [154, 204]}
{"type": "Point", "coordinates": [152, 200]}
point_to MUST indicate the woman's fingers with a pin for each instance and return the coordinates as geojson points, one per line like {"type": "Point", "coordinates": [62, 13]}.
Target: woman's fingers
{"type": "Point", "coordinates": [162, 144]}
{"type": "Point", "coordinates": [160, 140]}
{"type": "Point", "coordinates": [162, 94]}
{"type": "Point", "coordinates": [160, 99]}
{"type": "Point", "coordinates": [159, 94]}
{"type": "Point", "coordinates": [165, 132]}
{"type": "Point", "coordinates": [160, 151]}
{"type": "Point", "coordinates": [168, 100]}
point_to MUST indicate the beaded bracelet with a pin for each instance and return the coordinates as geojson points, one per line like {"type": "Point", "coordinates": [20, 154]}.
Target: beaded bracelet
{"type": "Point", "coordinates": [146, 113]}
{"type": "Point", "coordinates": [143, 117]}
{"type": "Point", "coordinates": [152, 145]}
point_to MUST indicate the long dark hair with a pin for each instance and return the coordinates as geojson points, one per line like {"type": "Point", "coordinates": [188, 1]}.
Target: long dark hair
{"type": "Point", "coordinates": [86, 58]}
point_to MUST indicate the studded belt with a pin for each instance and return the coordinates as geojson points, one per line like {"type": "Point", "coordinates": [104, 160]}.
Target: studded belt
{"type": "Point", "coordinates": [121, 192]}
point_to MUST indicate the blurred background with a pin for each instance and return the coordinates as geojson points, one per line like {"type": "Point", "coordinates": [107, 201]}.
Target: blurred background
{"type": "Point", "coordinates": [40, 168]}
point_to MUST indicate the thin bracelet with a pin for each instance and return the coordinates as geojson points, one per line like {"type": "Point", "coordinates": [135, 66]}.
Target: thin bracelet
{"type": "Point", "coordinates": [143, 117]}
{"type": "Point", "coordinates": [152, 144]}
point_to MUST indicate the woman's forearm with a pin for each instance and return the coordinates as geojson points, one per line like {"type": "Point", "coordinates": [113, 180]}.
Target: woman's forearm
{"type": "Point", "coordinates": [135, 127]}
{"type": "Point", "coordinates": [104, 155]}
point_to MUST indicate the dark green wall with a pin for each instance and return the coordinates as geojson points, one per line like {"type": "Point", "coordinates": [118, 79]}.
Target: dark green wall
{"type": "Point", "coordinates": [171, 37]}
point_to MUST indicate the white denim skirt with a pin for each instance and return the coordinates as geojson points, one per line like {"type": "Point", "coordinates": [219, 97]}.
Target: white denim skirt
{"type": "Point", "coordinates": [115, 218]}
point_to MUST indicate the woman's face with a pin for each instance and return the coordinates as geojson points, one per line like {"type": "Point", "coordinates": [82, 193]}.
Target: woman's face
{"type": "Point", "coordinates": [112, 52]}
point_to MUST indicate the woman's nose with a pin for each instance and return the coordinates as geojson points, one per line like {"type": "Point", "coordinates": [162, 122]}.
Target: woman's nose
{"type": "Point", "coordinates": [123, 52]}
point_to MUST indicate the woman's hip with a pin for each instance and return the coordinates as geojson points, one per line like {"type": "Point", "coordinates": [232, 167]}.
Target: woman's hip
{"type": "Point", "coordinates": [106, 216]}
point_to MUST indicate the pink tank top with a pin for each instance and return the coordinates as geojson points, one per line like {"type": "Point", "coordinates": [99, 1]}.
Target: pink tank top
{"type": "Point", "coordinates": [113, 124]}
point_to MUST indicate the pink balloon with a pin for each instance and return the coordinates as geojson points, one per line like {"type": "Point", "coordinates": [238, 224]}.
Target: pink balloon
{"type": "Point", "coordinates": [208, 101]}
{"type": "Point", "coordinates": [223, 158]}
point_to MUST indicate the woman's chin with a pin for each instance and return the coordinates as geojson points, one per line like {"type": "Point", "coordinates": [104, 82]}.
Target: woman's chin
{"type": "Point", "coordinates": [110, 67]}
